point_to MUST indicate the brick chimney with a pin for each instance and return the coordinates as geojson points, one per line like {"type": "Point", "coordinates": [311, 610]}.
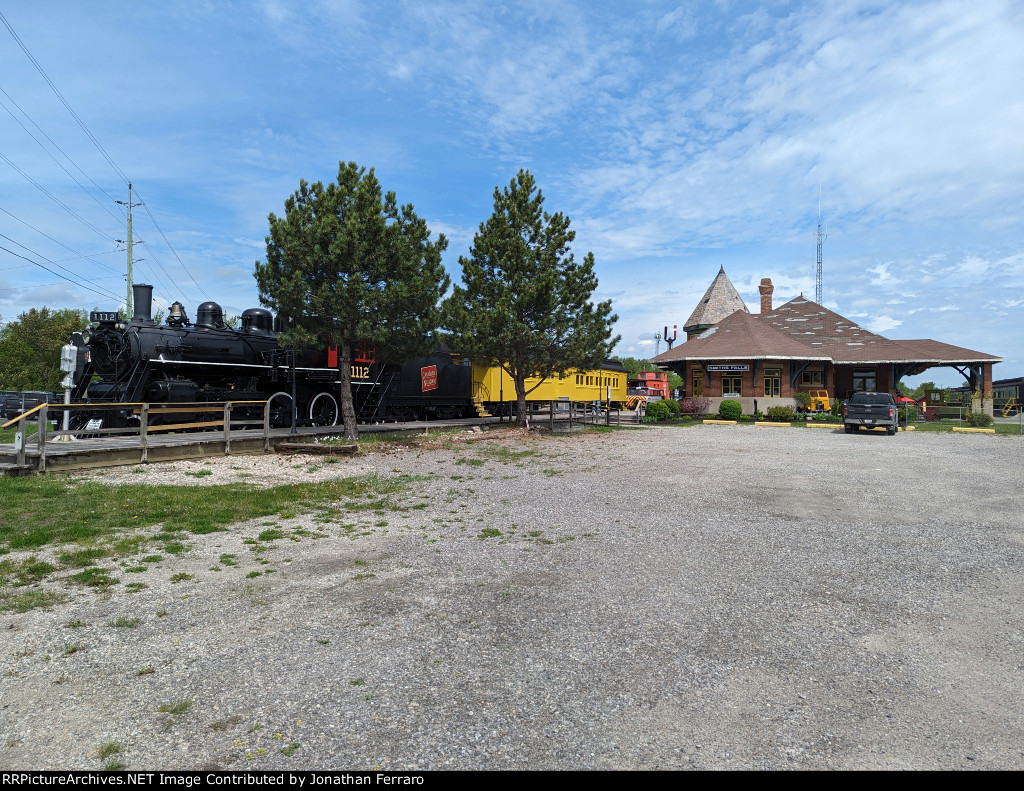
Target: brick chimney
{"type": "Point", "coordinates": [766, 288]}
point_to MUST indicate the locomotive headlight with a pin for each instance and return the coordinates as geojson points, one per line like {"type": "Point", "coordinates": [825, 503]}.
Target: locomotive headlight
{"type": "Point", "coordinates": [86, 337]}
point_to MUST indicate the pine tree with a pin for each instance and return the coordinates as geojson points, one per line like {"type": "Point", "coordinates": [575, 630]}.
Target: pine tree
{"type": "Point", "coordinates": [525, 303]}
{"type": "Point", "coordinates": [346, 265]}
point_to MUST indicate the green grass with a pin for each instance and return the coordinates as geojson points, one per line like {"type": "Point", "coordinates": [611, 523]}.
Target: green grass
{"type": "Point", "coordinates": [94, 578]}
{"type": "Point", "coordinates": [25, 572]}
{"type": "Point", "coordinates": [125, 623]}
{"type": "Point", "coordinates": [507, 455]}
{"type": "Point", "coordinates": [366, 441]}
{"type": "Point", "coordinates": [177, 707]}
{"type": "Point", "coordinates": [7, 434]}
{"type": "Point", "coordinates": [108, 749]}
{"type": "Point", "coordinates": [95, 516]}
{"type": "Point", "coordinates": [29, 600]}
{"type": "Point", "coordinates": [946, 427]}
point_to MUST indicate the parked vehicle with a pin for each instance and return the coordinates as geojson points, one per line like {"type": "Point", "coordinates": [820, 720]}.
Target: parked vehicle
{"type": "Point", "coordinates": [870, 410]}
{"type": "Point", "coordinates": [820, 401]}
{"type": "Point", "coordinates": [14, 404]}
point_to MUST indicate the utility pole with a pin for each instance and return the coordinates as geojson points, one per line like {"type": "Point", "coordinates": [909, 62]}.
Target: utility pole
{"type": "Point", "coordinates": [129, 204]}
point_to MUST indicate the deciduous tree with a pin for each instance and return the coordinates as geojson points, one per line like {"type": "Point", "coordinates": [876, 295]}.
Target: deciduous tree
{"type": "Point", "coordinates": [525, 303]}
{"type": "Point", "coordinates": [30, 348]}
{"type": "Point", "coordinates": [346, 264]}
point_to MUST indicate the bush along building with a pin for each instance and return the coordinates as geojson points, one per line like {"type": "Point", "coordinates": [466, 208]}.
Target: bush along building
{"type": "Point", "coordinates": [801, 346]}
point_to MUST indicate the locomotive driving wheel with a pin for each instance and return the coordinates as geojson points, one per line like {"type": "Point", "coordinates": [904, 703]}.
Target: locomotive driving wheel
{"type": "Point", "coordinates": [280, 410]}
{"type": "Point", "coordinates": [323, 410]}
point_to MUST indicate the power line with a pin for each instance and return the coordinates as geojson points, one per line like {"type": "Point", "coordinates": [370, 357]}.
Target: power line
{"type": "Point", "coordinates": [57, 241]}
{"type": "Point", "coordinates": [55, 199]}
{"type": "Point", "coordinates": [41, 285]}
{"type": "Point", "coordinates": [168, 243]}
{"type": "Point", "coordinates": [99, 147]}
{"type": "Point", "coordinates": [63, 101]}
{"type": "Point", "coordinates": [106, 295]}
{"type": "Point", "coordinates": [49, 153]}
{"type": "Point", "coordinates": [38, 255]}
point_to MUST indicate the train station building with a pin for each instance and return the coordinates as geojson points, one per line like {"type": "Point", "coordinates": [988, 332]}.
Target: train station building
{"type": "Point", "coordinates": [801, 346]}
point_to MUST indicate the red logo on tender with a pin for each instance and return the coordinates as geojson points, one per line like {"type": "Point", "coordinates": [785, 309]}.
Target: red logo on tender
{"type": "Point", "coordinates": [428, 378]}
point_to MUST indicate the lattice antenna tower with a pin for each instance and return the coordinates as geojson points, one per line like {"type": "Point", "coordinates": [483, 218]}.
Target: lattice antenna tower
{"type": "Point", "coordinates": [821, 238]}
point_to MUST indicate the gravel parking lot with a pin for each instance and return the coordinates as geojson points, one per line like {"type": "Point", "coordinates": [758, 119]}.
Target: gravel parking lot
{"type": "Point", "coordinates": [714, 597]}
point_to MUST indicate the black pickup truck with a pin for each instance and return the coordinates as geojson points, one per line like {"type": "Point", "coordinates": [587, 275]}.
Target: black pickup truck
{"type": "Point", "coordinates": [870, 410]}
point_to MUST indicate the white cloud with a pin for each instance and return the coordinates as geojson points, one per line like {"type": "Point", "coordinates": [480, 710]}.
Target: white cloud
{"type": "Point", "coordinates": [882, 324]}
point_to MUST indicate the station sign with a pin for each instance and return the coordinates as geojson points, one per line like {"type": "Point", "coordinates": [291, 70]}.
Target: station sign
{"type": "Point", "coordinates": [728, 367]}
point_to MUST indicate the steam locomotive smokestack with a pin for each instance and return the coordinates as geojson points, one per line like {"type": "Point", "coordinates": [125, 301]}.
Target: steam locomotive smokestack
{"type": "Point", "coordinates": [142, 297]}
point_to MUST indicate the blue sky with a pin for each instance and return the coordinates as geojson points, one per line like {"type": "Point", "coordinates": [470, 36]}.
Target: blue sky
{"type": "Point", "coordinates": [677, 137]}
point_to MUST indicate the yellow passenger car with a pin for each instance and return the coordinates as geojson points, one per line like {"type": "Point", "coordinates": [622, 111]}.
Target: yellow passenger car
{"type": "Point", "coordinates": [492, 386]}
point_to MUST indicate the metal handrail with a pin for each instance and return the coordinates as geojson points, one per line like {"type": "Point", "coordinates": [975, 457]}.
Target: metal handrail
{"type": "Point", "coordinates": [142, 431]}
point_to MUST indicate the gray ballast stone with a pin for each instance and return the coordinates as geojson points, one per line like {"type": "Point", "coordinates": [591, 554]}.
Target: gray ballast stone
{"type": "Point", "coordinates": [704, 598]}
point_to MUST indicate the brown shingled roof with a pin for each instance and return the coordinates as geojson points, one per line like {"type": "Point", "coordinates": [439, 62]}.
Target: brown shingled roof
{"type": "Point", "coordinates": [937, 350]}
{"type": "Point", "coordinates": [740, 336]}
{"type": "Point", "coordinates": [844, 341]}
{"type": "Point", "coordinates": [800, 330]}
{"type": "Point", "coordinates": [720, 300]}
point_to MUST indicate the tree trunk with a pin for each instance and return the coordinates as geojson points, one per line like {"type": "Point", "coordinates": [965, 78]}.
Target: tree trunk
{"type": "Point", "coordinates": [348, 410]}
{"type": "Point", "coordinates": [520, 401]}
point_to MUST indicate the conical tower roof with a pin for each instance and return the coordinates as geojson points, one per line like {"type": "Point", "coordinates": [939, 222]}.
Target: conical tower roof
{"type": "Point", "coordinates": [720, 300]}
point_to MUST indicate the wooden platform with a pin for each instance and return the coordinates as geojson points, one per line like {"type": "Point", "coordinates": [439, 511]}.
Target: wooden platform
{"type": "Point", "coordinates": [113, 451]}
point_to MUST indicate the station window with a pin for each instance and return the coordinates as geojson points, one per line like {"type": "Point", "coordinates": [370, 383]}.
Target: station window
{"type": "Point", "coordinates": [810, 378]}
{"type": "Point", "coordinates": [730, 385]}
{"type": "Point", "coordinates": [772, 383]}
{"type": "Point", "coordinates": [864, 381]}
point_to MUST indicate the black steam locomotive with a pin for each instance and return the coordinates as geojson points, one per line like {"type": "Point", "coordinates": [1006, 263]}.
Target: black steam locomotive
{"type": "Point", "coordinates": [207, 361]}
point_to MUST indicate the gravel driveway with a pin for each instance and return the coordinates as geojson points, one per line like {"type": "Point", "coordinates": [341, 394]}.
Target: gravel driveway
{"type": "Point", "coordinates": [712, 597]}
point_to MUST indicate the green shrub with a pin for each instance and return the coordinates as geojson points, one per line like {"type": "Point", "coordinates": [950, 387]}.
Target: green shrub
{"type": "Point", "coordinates": [730, 410]}
{"type": "Point", "coordinates": [978, 419]}
{"type": "Point", "coordinates": [802, 399]}
{"type": "Point", "coordinates": [658, 410]}
{"type": "Point", "coordinates": [910, 413]}
{"type": "Point", "coordinates": [673, 408]}
{"type": "Point", "coordinates": [781, 414]}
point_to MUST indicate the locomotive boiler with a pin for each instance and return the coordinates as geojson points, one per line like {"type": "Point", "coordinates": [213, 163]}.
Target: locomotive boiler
{"type": "Point", "coordinates": [189, 362]}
